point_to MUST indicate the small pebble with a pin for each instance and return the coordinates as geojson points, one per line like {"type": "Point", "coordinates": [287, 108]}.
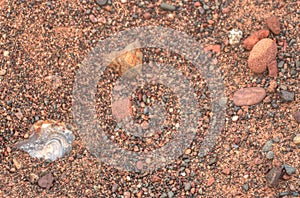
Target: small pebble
{"type": "Point", "coordinates": [235, 118]}
{"type": "Point", "coordinates": [170, 194]}
{"type": "Point", "coordinates": [101, 2]}
{"type": "Point", "coordinates": [5, 53]}
{"type": "Point", "coordinates": [296, 139]}
{"type": "Point", "coordinates": [246, 187]}
{"type": "Point", "coordinates": [268, 146]}
{"type": "Point", "coordinates": [287, 96]}
{"type": "Point", "coordinates": [167, 7]}
{"type": "Point", "coordinates": [274, 175]}
{"type": "Point", "coordinates": [289, 169]}
{"type": "Point", "coordinates": [270, 155]}
{"type": "Point", "coordinates": [46, 181]}
{"type": "Point", "coordinates": [2, 72]}
{"type": "Point", "coordinates": [187, 186]}
{"type": "Point", "coordinates": [297, 116]}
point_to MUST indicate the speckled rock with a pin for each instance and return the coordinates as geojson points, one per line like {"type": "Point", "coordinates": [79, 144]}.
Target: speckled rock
{"type": "Point", "coordinates": [262, 54]}
{"type": "Point", "coordinates": [249, 96]}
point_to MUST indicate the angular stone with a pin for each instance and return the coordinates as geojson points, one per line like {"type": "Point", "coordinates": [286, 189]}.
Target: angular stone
{"type": "Point", "coordinates": [289, 169]}
{"type": "Point", "coordinates": [287, 96]}
{"type": "Point", "coordinates": [249, 96]}
{"type": "Point", "coordinates": [46, 181]}
{"type": "Point", "coordinates": [273, 24]}
{"type": "Point", "coordinates": [297, 116]}
{"type": "Point", "coordinates": [274, 175]}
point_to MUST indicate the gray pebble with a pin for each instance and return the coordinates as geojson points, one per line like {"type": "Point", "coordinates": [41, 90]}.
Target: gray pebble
{"type": "Point", "coordinates": [289, 169]}
{"type": "Point", "coordinates": [270, 155]}
{"type": "Point", "coordinates": [164, 195]}
{"type": "Point", "coordinates": [167, 7]}
{"type": "Point", "coordinates": [170, 194]}
{"type": "Point", "coordinates": [287, 96]}
{"type": "Point", "coordinates": [101, 2]}
{"type": "Point", "coordinates": [187, 186]}
{"type": "Point", "coordinates": [268, 146]}
{"type": "Point", "coordinates": [280, 64]}
{"type": "Point", "coordinates": [246, 187]}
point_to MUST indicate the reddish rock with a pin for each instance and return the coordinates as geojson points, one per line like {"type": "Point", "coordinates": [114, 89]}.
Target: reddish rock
{"type": "Point", "coordinates": [297, 116]}
{"type": "Point", "coordinates": [249, 96]}
{"type": "Point", "coordinates": [262, 54]}
{"type": "Point", "coordinates": [197, 4]}
{"type": "Point", "coordinates": [93, 18]}
{"type": "Point", "coordinates": [46, 181]}
{"type": "Point", "coordinates": [147, 15]}
{"type": "Point", "coordinates": [274, 175]}
{"type": "Point", "coordinates": [210, 181]}
{"type": "Point", "coordinates": [273, 24]}
{"type": "Point", "coordinates": [215, 48]}
{"type": "Point", "coordinates": [273, 70]}
{"type": "Point", "coordinates": [251, 40]}
{"type": "Point", "coordinates": [226, 171]}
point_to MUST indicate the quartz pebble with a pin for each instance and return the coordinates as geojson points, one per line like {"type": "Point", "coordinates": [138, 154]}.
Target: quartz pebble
{"type": "Point", "coordinates": [235, 36]}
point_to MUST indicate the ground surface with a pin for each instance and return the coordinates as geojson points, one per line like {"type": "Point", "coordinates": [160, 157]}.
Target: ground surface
{"type": "Point", "coordinates": [39, 38]}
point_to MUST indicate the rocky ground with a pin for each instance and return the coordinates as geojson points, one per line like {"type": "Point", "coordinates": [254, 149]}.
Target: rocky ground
{"type": "Point", "coordinates": [42, 45]}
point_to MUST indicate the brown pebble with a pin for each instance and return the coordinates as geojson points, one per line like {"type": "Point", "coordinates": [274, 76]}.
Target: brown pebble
{"type": "Point", "coordinates": [139, 165]}
{"type": "Point", "coordinates": [249, 96]}
{"type": "Point", "coordinates": [93, 18]}
{"type": "Point", "coordinates": [274, 175]}
{"type": "Point", "coordinates": [17, 163]}
{"type": "Point", "coordinates": [226, 171]}
{"type": "Point", "coordinates": [297, 116]}
{"type": "Point", "coordinates": [272, 86]}
{"type": "Point", "coordinates": [262, 54]}
{"type": "Point", "coordinates": [46, 181]}
{"type": "Point", "coordinates": [273, 24]}
{"type": "Point", "coordinates": [121, 109]}
{"type": "Point", "coordinates": [254, 38]}
{"type": "Point", "coordinates": [197, 4]}
{"type": "Point", "coordinates": [147, 15]}
{"type": "Point", "coordinates": [210, 181]}
{"type": "Point", "coordinates": [215, 48]}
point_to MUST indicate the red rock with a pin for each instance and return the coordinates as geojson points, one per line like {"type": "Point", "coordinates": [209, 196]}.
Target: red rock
{"type": "Point", "coordinates": [147, 15]}
{"type": "Point", "coordinates": [226, 171]}
{"type": "Point", "coordinates": [46, 181]}
{"type": "Point", "coordinates": [251, 40]}
{"type": "Point", "coordinates": [216, 48]}
{"type": "Point", "coordinates": [262, 54]}
{"type": "Point", "coordinates": [297, 116]}
{"type": "Point", "coordinates": [273, 70]}
{"type": "Point", "coordinates": [249, 96]}
{"type": "Point", "coordinates": [210, 181]}
{"type": "Point", "coordinates": [273, 24]}
{"type": "Point", "coordinates": [93, 18]}
{"type": "Point", "coordinates": [197, 4]}
{"type": "Point", "coordinates": [274, 175]}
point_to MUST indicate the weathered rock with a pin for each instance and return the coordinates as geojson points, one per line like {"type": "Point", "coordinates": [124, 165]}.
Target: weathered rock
{"type": "Point", "coordinates": [251, 40]}
{"type": "Point", "coordinates": [274, 175]}
{"type": "Point", "coordinates": [249, 96]}
{"type": "Point", "coordinates": [46, 181]}
{"type": "Point", "coordinates": [272, 68]}
{"type": "Point", "coordinates": [273, 24]}
{"type": "Point", "coordinates": [287, 96]}
{"type": "Point", "coordinates": [262, 54]}
{"type": "Point", "coordinates": [296, 139]}
{"type": "Point", "coordinates": [297, 116]}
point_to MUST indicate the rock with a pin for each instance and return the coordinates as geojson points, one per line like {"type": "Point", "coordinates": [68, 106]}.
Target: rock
{"type": "Point", "coordinates": [272, 68]}
{"type": "Point", "coordinates": [287, 96]}
{"type": "Point", "coordinates": [210, 181]}
{"type": "Point", "coordinates": [249, 96]}
{"type": "Point", "coordinates": [17, 163]}
{"type": "Point", "coordinates": [2, 72]}
{"type": "Point", "coordinates": [296, 139]}
{"type": "Point", "coordinates": [33, 178]}
{"type": "Point", "coordinates": [270, 155]}
{"type": "Point", "coordinates": [297, 116]}
{"type": "Point", "coordinates": [215, 48]}
{"type": "Point", "coordinates": [6, 53]}
{"type": "Point", "coordinates": [93, 18]}
{"type": "Point", "coordinates": [273, 24]}
{"type": "Point", "coordinates": [289, 169]}
{"type": "Point", "coordinates": [170, 194]}
{"type": "Point", "coordinates": [251, 40]}
{"type": "Point", "coordinates": [262, 54]}
{"type": "Point", "coordinates": [101, 2]}
{"type": "Point", "coordinates": [235, 36]}
{"type": "Point", "coordinates": [139, 165]}
{"type": "Point", "coordinates": [246, 187]}
{"type": "Point", "coordinates": [272, 86]}
{"type": "Point", "coordinates": [167, 7]}
{"type": "Point", "coordinates": [123, 1]}
{"type": "Point", "coordinates": [226, 171]}
{"type": "Point", "coordinates": [121, 109]}
{"type": "Point", "coordinates": [274, 175]}
{"type": "Point", "coordinates": [268, 146]}
{"type": "Point", "coordinates": [147, 15]}
{"type": "Point", "coordinates": [235, 118]}
{"type": "Point", "coordinates": [283, 194]}
{"type": "Point", "coordinates": [197, 4]}
{"type": "Point", "coordinates": [46, 181]}
{"type": "Point", "coordinates": [127, 194]}
{"type": "Point", "coordinates": [187, 186]}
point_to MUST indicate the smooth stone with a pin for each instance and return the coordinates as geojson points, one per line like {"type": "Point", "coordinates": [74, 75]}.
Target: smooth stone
{"type": "Point", "coordinates": [270, 155]}
{"type": "Point", "coordinates": [249, 96]}
{"type": "Point", "coordinates": [167, 7]}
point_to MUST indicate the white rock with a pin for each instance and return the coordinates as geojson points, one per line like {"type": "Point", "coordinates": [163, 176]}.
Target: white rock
{"type": "Point", "coordinates": [235, 118]}
{"type": "Point", "coordinates": [296, 139]}
{"type": "Point", "coordinates": [235, 36]}
{"type": "Point", "coordinates": [5, 53]}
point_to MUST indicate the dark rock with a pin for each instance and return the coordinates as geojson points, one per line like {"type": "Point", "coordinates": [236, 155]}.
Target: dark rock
{"type": "Point", "coordinates": [287, 96]}
{"type": "Point", "coordinates": [289, 169]}
{"type": "Point", "coordinates": [268, 146]}
{"type": "Point", "coordinates": [274, 175]}
{"type": "Point", "coordinates": [297, 116]}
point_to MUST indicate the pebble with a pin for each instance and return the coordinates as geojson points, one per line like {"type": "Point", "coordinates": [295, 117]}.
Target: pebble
{"type": "Point", "coordinates": [289, 169]}
{"type": "Point", "coordinates": [215, 48]}
{"type": "Point", "coordinates": [251, 40]}
{"type": "Point", "coordinates": [46, 181]}
{"type": "Point", "coordinates": [123, 1]}
{"type": "Point", "coordinates": [287, 96]}
{"type": "Point", "coordinates": [167, 7]}
{"type": "Point", "coordinates": [296, 139]}
{"type": "Point", "coordinates": [170, 194]}
{"type": "Point", "coordinates": [274, 175]}
{"type": "Point", "coordinates": [283, 194]}
{"type": "Point", "coordinates": [280, 64]}
{"type": "Point", "coordinates": [262, 54]}
{"type": "Point", "coordinates": [5, 53]}
{"type": "Point", "coordinates": [268, 146]}
{"type": "Point", "coordinates": [93, 18]}
{"type": "Point", "coordinates": [210, 181]}
{"type": "Point", "coordinates": [249, 96]}
{"type": "Point", "coordinates": [33, 178]}
{"type": "Point", "coordinates": [246, 187]}
{"type": "Point", "coordinates": [235, 36]}
{"type": "Point", "coordinates": [101, 2]}
{"type": "Point", "coordinates": [270, 155]}
{"type": "Point", "coordinates": [17, 164]}
{"type": "Point", "coordinates": [147, 15]}
{"type": "Point", "coordinates": [2, 72]}
{"type": "Point", "coordinates": [127, 194]}
{"type": "Point", "coordinates": [235, 118]}
{"type": "Point", "coordinates": [272, 86]}
{"type": "Point", "coordinates": [273, 69]}
{"type": "Point", "coordinates": [187, 186]}
{"type": "Point", "coordinates": [273, 24]}
{"type": "Point", "coordinates": [297, 116]}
